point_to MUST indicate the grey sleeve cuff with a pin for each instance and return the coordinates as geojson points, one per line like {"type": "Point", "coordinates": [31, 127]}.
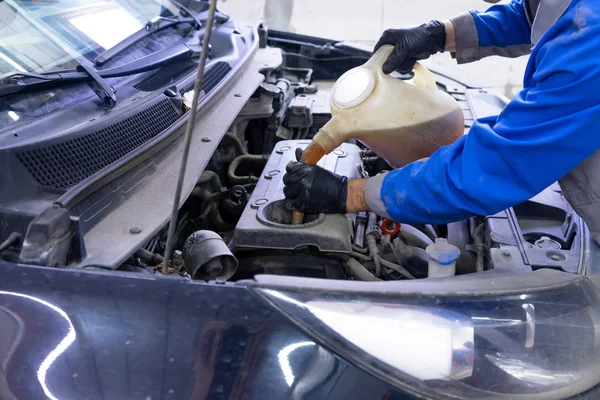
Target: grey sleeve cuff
{"type": "Point", "coordinates": [373, 195]}
{"type": "Point", "coordinates": [467, 38]}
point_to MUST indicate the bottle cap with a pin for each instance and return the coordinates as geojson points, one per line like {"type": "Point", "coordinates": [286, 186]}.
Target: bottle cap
{"type": "Point", "coordinates": [443, 252]}
{"type": "Point", "coordinates": [353, 88]}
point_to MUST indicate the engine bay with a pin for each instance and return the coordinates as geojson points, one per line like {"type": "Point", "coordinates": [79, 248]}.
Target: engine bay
{"type": "Point", "coordinates": [236, 224]}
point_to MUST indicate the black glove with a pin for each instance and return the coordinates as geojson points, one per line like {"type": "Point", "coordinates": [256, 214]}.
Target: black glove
{"type": "Point", "coordinates": [411, 45]}
{"type": "Point", "coordinates": [314, 190]}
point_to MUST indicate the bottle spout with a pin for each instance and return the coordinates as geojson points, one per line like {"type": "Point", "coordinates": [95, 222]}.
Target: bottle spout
{"type": "Point", "coordinates": [323, 143]}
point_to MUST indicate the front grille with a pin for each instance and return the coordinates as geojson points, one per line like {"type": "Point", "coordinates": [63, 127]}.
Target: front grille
{"type": "Point", "coordinates": [65, 164]}
{"type": "Point", "coordinates": [212, 77]}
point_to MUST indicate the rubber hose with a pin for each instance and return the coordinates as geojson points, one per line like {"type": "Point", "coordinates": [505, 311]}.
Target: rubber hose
{"type": "Point", "coordinates": [409, 254]}
{"type": "Point", "coordinates": [148, 257]}
{"type": "Point", "coordinates": [415, 237]}
{"type": "Point", "coordinates": [360, 271]}
{"type": "Point", "coordinates": [241, 180]}
{"type": "Point", "coordinates": [480, 247]}
{"type": "Point", "coordinates": [398, 268]}
{"type": "Point", "coordinates": [374, 251]}
{"type": "Point", "coordinates": [429, 230]}
{"type": "Point", "coordinates": [217, 220]}
{"type": "Point", "coordinates": [212, 179]}
{"type": "Point", "coordinates": [13, 238]}
{"type": "Point", "coordinates": [360, 256]}
{"type": "Point", "coordinates": [236, 143]}
{"type": "Point", "coordinates": [323, 143]}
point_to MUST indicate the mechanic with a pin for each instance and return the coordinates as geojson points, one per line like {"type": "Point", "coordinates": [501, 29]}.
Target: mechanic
{"type": "Point", "coordinates": [548, 132]}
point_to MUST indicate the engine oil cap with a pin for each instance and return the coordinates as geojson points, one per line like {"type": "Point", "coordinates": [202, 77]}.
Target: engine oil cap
{"type": "Point", "coordinates": [443, 252]}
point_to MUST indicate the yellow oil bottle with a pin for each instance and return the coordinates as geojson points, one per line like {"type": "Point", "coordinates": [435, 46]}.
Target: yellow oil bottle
{"type": "Point", "coordinates": [401, 121]}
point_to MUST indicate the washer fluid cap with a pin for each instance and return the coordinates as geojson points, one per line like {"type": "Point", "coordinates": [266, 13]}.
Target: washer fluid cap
{"type": "Point", "coordinates": [443, 252]}
{"type": "Point", "coordinates": [353, 88]}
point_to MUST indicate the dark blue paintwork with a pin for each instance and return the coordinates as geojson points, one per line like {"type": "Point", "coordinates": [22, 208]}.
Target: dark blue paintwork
{"type": "Point", "coordinates": [90, 335]}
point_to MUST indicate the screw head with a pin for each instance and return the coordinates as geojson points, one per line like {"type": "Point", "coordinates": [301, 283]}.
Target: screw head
{"type": "Point", "coordinates": [206, 139]}
{"type": "Point", "coordinates": [554, 257]}
{"type": "Point", "coordinates": [506, 254]}
{"type": "Point", "coordinates": [135, 230]}
{"type": "Point", "coordinates": [237, 95]}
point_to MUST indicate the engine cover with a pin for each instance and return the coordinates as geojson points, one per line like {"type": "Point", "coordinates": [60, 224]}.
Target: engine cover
{"type": "Point", "coordinates": [266, 221]}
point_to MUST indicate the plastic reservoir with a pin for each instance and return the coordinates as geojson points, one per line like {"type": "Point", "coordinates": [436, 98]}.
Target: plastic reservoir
{"type": "Point", "coordinates": [401, 121]}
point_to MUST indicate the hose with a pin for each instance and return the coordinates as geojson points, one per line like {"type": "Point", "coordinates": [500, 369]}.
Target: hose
{"type": "Point", "coordinates": [241, 180]}
{"type": "Point", "coordinates": [236, 143]}
{"type": "Point", "coordinates": [412, 256]}
{"type": "Point", "coordinates": [212, 179]}
{"type": "Point", "coordinates": [359, 249]}
{"type": "Point", "coordinates": [479, 246]}
{"type": "Point", "coordinates": [13, 238]}
{"type": "Point", "coordinates": [148, 257]}
{"type": "Point", "coordinates": [429, 230]}
{"type": "Point", "coordinates": [374, 251]}
{"type": "Point", "coordinates": [323, 143]}
{"type": "Point", "coordinates": [217, 220]}
{"type": "Point", "coordinates": [360, 271]}
{"type": "Point", "coordinates": [360, 256]}
{"type": "Point", "coordinates": [398, 268]}
{"type": "Point", "coordinates": [415, 237]}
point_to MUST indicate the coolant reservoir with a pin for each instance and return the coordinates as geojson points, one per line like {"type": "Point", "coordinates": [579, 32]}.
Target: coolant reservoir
{"type": "Point", "coordinates": [401, 121]}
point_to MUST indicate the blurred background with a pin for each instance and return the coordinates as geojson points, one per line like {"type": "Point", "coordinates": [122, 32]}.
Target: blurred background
{"type": "Point", "coordinates": [363, 21]}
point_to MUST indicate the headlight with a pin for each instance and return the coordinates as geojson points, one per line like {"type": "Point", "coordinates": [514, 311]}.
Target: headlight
{"type": "Point", "coordinates": [540, 345]}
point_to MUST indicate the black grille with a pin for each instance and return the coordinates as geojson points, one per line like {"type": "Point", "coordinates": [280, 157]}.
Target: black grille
{"type": "Point", "coordinates": [63, 165]}
{"type": "Point", "coordinates": [165, 76]}
{"type": "Point", "coordinates": [211, 79]}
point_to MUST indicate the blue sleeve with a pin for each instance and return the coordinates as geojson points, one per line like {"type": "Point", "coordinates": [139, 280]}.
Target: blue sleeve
{"type": "Point", "coordinates": [503, 25]}
{"type": "Point", "coordinates": [547, 130]}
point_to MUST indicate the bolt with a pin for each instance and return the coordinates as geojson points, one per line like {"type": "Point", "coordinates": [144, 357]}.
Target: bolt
{"type": "Point", "coordinates": [206, 139]}
{"type": "Point", "coordinates": [135, 230]}
{"type": "Point", "coordinates": [555, 257]}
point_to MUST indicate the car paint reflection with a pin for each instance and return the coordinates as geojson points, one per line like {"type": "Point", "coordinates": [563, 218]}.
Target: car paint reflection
{"type": "Point", "coordinates": [60, 348]}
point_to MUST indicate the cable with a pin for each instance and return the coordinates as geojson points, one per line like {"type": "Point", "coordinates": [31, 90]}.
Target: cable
{"type": "Point", "coordinates": [398, 268]}
{"type": "Point", "coordinates": [188, 135]}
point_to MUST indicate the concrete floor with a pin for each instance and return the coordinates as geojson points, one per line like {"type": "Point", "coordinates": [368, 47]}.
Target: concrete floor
{"type": "Point", "coordinates": [364, 20]}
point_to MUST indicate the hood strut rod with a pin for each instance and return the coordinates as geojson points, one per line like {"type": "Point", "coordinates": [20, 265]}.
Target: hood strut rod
{"type": "Point", "coordinates": [188, 136]}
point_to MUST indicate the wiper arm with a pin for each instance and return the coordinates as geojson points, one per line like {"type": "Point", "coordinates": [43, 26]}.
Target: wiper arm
{"type": "Point", "coordinates": [23, 81]}
{"type": "Point", "coordinates": [154, 25]}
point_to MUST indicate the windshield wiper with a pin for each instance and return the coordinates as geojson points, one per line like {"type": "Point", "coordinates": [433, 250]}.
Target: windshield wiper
{"type": "Point", "coordinates": [17, 82]}
{"type": "Point", "coordinates": [156, 24]}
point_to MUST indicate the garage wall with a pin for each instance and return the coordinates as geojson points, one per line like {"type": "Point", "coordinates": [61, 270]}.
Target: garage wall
{"type": "Point", "coordinates": [364, 20]}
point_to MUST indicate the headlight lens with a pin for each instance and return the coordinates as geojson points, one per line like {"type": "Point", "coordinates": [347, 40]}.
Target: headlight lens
{"type": "Point", "coordinates": [542, 345]}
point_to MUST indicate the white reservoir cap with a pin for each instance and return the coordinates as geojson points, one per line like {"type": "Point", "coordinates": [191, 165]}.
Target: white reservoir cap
{"type": "Point", "coordinates": [443, 252]}
{"type": "Point", "coordinates": [442, 259]}
{"type": "Point", "coordinates": [353, 88]}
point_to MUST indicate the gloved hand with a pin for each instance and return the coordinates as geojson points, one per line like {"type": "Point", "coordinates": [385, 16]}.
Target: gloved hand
{"type": "Point", "coordinates": [314, 190]}
{"type": "Point", "coordinates": [411, 45]}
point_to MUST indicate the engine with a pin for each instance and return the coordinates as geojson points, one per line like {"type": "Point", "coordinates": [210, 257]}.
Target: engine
{"type": "Point", "coordinates": [267, 222]}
